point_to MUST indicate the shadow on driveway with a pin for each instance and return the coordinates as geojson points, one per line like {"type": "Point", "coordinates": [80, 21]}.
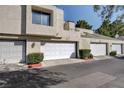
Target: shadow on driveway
{"type": "Point", "coordinates": [30, 78]}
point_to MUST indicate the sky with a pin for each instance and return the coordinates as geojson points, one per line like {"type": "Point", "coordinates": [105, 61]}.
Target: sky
{"type": "Point", "coordinates": [78, 12]}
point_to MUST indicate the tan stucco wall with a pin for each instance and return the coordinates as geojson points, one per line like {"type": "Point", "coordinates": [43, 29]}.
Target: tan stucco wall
{"type": "Point", "coordinates": [69, 35]}
{"type": "Point", "coordinates": [105, 40]}
{"type": "Point", "coordinates": [84, 44]}
{"type": "Point", "coordinates": [109, 48]}
{"type": "Point", "coordinates": [10, 19]}
{"type": "Point", "coordinates": [11, 23]}
{"type": "Point", "coordinates": [33, 46]}
{"type": "Point", "coordinates": [57, 21]}
{"type": "Point", "coordinates": [69, 26]}
{"type": "Point", "coordinates": [122, 48]}
{"type": "Point", "coordinates": [109, 43]}
{"type": "Point", "coordinates": [84, 30]}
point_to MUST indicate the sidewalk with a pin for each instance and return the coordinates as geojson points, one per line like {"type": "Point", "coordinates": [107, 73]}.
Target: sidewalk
{"type": "Point", "coordinates": [102, 57]}
{"type": "Point", "coordinates": [12, 67]}
{"type": "Point", "coordinates": [49, 63]}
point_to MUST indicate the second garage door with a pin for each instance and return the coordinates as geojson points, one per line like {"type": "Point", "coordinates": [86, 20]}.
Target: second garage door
{"type": "Point", "coordinates": [98, 49]}
{"type": "Point", "coordinates": [12, 51]}
{"type": "Point", "coordinates": [53, 50]}
{"type": "Point", "coordinates": [117, 48]}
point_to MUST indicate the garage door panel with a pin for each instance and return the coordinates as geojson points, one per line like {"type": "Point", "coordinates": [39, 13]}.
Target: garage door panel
{"type": "Point", "coordinates": [57, 50]}
{"type": "Point", "coordinates": [12, 51]}
{"type": "Point", "coordinates": [117, 48]}
{"type": "Point", "coordinates": [98, 49]}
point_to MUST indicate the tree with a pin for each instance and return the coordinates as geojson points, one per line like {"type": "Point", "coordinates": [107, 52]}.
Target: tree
{"type": "Point", "coordinates": [111, 28]}
{"type": "Point", "coordinates": [118, 27]}
{"type": "Point", "coordinates": [83, 24]}
{"type": "Point", "coordinates": [106, 11]}
{"type": "Point", "coordinates": [104, 29]}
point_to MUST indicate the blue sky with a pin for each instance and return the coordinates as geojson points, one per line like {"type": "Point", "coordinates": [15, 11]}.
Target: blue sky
{"type": "Point", "coordinates": [77, 12]}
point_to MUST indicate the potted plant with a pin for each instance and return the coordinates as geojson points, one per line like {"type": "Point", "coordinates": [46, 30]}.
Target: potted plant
{"type": "Point", "coordinates": [34, 60]}
{"type": "Point", "coordinates": [90, 56]}
{"type": "Point", "coordinates": [84, 53]}
{"type": "Point", "coordinates": [113, 53]}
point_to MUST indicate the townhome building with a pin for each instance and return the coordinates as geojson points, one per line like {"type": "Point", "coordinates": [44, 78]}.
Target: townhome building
{"type": "Point", "coordinates": [26, 29]}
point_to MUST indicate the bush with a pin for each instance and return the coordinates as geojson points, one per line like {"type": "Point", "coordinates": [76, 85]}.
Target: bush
{"type": "Point", "coordinates": [90, 56]}
{"type": "Point", "coordinates": [35, 58]}
{"type": "Point", "coordinates": [113, 53]}
{"type": "Point", "coordinates": [84, 53]}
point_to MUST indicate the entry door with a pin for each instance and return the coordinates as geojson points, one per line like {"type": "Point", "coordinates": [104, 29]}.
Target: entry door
{"type": "Point", "coordinates": [98, 49]}
{"type": "Point", "coordinates": [58, 50]}
{"type": "Point", "coordinates": [12, 51]}
{"type": "Point", "coordinates": [117, 48]}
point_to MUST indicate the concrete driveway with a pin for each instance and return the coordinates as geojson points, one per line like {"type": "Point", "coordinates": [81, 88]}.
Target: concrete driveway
{"type": "Point", "coordinates": [101, 73]}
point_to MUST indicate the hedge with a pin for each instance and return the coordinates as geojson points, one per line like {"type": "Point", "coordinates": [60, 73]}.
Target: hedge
{"type": "Point", "coordinates": [113, 53]}
{"type": "Point", "coordinates": [84, 53]}
{"type": "Point", "coordinates": [35, 58]}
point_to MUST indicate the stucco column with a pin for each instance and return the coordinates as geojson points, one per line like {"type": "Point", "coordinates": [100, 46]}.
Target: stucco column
{"type": "Point", "coordinates": [109, 48]}
{"type": "Point", "coordinates": [32, 46]}
{"type": "Point", "coordinates": [83, 44]}
{"type": "Point", "coordinates": [123, 48]}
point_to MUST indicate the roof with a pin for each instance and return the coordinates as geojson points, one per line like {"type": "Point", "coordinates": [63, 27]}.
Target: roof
{"type": "Point", "coordinates": [121, 38]}
{"type": "Point", "coordinates": [98, 36]}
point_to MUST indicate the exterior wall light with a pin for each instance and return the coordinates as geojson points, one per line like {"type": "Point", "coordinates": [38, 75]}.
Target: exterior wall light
{"type": "Point", "coordinates": [32, 45]}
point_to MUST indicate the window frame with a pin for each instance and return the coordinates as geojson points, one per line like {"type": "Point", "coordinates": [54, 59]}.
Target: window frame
{"type": "Point", "coordinates": [42, 13]}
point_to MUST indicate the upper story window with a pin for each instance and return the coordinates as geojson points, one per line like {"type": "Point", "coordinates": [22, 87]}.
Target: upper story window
{"type": "Point", "coordinates": [40, 18]}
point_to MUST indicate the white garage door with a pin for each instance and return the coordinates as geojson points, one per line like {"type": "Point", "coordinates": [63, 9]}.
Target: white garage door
{"type": "Point", "coordinates": [98, 49]}
{"type": "Point", "coordinates": [116, 47]}
{"type": "Point", "coordinates": [58, 50]}
{"type": "Point", "coordinates": [12, 51]}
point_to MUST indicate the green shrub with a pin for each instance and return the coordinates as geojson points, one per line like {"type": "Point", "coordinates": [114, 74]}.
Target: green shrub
{"type": "Point", "coordinates": [84, 53]}
{"type": "Point", "coordinates": [35, 58]}
{"type": "Point", "coordinates": [113, 53]}
{"type": "Point", "coordinates": [90, 56]}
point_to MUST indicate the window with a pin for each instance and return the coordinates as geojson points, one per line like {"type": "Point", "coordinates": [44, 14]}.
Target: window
{"type": "Point", "coordinates": [41, 18]}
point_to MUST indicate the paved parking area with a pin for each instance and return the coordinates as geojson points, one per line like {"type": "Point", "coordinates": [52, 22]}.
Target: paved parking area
{"type": "Point", "coordinates": [16, 76]}
{"type": "Point", "coordinates": [102, 73]}
{"type": "Point", "coordinates": [107, 73]}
